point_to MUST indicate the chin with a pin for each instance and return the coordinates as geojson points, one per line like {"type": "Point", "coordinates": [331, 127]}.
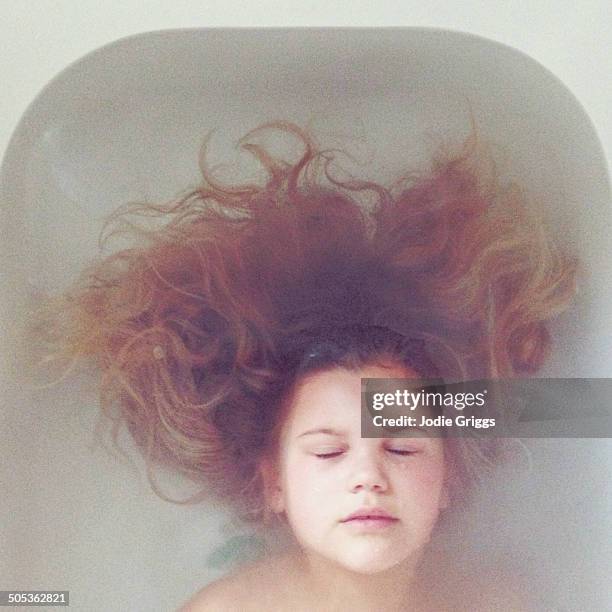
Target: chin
{"type": "Point", "coordinates": [372, 563]}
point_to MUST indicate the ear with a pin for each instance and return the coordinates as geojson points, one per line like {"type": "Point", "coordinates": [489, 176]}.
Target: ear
{"type": "Point", "coordinates": [273, 493]}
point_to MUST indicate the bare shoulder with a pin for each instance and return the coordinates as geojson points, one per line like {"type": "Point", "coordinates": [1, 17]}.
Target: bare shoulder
{"type": "Point", "coordinates": [255, 586]}
{"type": "Point", "coordinates": [503, 595]}
{"type": "Point", "coordinates": [214, 596]}
{"type": "Point", "coordinates": [486, 591]}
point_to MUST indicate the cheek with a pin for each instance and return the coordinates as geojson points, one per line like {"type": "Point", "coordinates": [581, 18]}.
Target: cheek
{"type": "Point", "coordinates": [306, 487]}
{"type": "Point", "coordinates": [431, 474]}
{"type": "Point", "coordinates": [422, 487]}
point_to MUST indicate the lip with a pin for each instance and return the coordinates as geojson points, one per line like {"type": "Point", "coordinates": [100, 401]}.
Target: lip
{"type": "Point", "coordinates": [378, 524]}
{"type": "Point", "coordinates": [370, 515]}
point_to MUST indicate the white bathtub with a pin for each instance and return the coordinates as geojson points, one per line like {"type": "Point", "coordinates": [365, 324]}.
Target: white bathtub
{"type": "Point", "coordinates": [125, 122]}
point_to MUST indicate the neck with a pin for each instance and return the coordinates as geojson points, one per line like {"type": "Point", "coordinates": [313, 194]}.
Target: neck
{"type": "Point", "coordinates": [389, 590]}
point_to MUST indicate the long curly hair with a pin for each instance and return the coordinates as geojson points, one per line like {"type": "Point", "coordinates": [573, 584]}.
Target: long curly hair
{"type": "Point", "coordinates": [191, 326]}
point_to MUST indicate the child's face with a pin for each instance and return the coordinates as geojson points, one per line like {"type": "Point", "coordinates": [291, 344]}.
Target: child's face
{"type": "Point", "coordinates": [323, 477]}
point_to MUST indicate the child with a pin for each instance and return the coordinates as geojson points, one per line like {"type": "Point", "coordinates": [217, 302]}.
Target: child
{"type": "Point", "coordinates": [362, 510]}
{"type": "Point", "coordinates": [247, 320]}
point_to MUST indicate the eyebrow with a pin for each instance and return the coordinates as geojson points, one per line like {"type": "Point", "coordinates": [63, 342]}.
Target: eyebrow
{"type": "Point", "coordinates": [335, 432]}
{"type": "Point", "coordinates": [423, 429]}
{"type": "Point", "coordinates": [322, 430]}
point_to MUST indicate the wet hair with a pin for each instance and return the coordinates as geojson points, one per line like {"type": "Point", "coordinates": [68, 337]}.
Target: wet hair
{"type": "Point", "coordinates": [231, 293]}
{"type": "Point", "coordinates": [353, 347]}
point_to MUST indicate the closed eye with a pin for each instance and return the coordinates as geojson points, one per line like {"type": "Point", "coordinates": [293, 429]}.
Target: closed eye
{"type": "Point", "coordinates": [395, 451]}
{"type": "Point", "coordinates": [401, 451]}
{"type": "Point", "coordinates": [328, 455]}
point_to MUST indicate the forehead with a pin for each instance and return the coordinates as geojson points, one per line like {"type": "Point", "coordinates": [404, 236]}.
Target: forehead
{"type": "Point", "coordinates": [332, 398]}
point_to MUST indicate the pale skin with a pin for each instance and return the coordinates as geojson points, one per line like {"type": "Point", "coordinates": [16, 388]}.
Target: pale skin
{"type": "Point", "coordinates": [323, 473]}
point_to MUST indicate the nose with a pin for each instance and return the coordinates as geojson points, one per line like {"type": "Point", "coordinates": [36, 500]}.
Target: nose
{"type": "Point", "coordinates": [368, 475]}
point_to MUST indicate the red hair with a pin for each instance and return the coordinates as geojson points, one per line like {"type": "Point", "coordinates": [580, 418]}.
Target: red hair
{"type": "Point", "coordinates": [191, 321]}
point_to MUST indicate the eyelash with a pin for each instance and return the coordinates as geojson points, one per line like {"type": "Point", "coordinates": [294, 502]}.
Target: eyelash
{"type": "Point", "coordinates": [399, 452]}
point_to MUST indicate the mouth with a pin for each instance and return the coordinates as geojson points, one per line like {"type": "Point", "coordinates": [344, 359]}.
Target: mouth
{"type": "Point", "coordinates": [370, 523]}
{"type": "Point", "coordinates": [369, 514]}
{"type": "Point", "coordinates": [370, 519]}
